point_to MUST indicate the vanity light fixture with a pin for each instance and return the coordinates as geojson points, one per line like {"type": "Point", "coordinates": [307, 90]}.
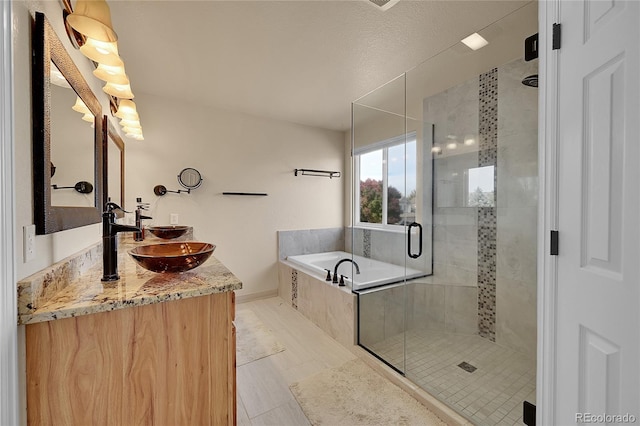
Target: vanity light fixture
{"type": "Point", "coordinates": [452, 145]}
{"type": "Point", "coordinates": [127, 108]}
{"type": "Point", "coordinates": [111, 74]}
{"type": "Point", "coordinates": [89, 118]}
{"type": "Point", "coordinates": [80, 106]}
{"type": "Point", "coordinates": [92, 18]}
{"type": "Point", "coordinates": [469, 140]}
{"type": "Point", "coordinates": [133, 130]}
{"type": "Point", "coordinates": [475, 41]}
{"type": "Point", "coordinates": [135, 124]}
{"type": "Point", "coordinates": [122, 91]}
{"type": "Point", "coordinates": [436, 149]}
{"type": "Point", "coordinates": [102, 52]}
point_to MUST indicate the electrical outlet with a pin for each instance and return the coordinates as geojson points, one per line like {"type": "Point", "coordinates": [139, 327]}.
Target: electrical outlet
{"type": "Point", "coordinates": [29, 242]}
{"type": "Point", "coordinates": [173, 219]}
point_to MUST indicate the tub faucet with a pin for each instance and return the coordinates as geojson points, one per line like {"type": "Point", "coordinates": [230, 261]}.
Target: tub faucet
{"type": "Point", "coordinates": [335, 269]}
{"type": "Point", "coordinates": [109, 243]}
{"type": "Point", "coordinates": [139, 236]}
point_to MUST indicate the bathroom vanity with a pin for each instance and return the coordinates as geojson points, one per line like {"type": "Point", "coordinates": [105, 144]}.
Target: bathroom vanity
{"type": "Point", "coordinates": [147, 349]}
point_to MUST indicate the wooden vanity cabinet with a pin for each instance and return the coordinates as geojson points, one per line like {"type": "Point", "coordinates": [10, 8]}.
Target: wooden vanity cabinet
{"type": "Point", "coordinates": [170, 363]}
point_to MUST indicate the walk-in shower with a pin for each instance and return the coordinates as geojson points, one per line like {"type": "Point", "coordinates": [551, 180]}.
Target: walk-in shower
{"type": "Point", "coordinates": [445, 167]}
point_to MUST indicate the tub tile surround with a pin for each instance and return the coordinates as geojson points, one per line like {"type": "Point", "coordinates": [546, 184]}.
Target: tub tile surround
{"type": "Point", "coordinates": [308, 241]}
{"type": "Point", "coordinates": [85, 293]}
{"type": "Point", "coordinates": [387, 246]}
{"type": "Point", "coordinates": [330, 307]}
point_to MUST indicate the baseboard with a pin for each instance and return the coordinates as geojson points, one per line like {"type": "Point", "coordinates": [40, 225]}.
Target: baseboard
{"type": "Point", "coordinates": [242, 298]}
{"type": "Point", "coordinates": [448, 415]}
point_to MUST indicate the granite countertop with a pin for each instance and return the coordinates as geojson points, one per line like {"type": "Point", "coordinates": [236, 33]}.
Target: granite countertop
{"type": "Point", "coordinates": [59, 292]}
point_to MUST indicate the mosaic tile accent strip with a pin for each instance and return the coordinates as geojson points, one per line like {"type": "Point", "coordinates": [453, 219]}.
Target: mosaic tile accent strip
{"type": "Point", "coordinates": [488, 123]}
{"type": "Point", "coordinates": [294, 288]}
{"type": "Point", "coordinates": [487, 218]}
{"type": "Point", "coordinates": [366, 243]}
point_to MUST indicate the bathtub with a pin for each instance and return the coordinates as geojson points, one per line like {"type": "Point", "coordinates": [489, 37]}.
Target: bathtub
{"type": "Point", "coordinates": [373, 273]}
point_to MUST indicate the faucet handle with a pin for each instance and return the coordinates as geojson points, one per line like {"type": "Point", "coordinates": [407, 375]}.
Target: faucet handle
{"type": "Point", "coordinates": [342, 277]}
{"type": "Point", "coordinates": [111, 206]}
{"type": "Point", "coordinates": [328, 275]}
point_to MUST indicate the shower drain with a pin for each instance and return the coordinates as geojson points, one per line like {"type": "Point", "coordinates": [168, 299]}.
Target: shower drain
{"type": "Point", "coordinates": [467, 367]}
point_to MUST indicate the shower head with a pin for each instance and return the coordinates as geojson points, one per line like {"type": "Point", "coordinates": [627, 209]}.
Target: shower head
{"type": "Point", "coordinates": [531, 80]}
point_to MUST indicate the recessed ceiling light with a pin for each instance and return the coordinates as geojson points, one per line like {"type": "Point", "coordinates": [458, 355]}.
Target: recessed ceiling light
{"type": "Point", "coordinates": [383, 4]}
{"type": "Point", "coordinates": [475, 41]}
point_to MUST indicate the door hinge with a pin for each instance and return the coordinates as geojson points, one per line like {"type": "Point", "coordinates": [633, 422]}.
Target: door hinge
{"type": "Point", "coordinates": [556, 36]}
{"type": "Point", "coordinates": [553, 249]}
{"type": "Point", "coordinates": [531, 47]}
{"type": "Point", "coordinates": [528, 413]}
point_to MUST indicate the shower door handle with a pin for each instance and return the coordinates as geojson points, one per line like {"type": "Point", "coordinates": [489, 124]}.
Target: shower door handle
{"type": "Point", "coordinates": [409, 251]}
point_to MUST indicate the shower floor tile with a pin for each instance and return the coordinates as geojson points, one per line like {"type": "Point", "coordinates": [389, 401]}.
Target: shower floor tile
{"type": "Point", "coordinates": [491, 394]}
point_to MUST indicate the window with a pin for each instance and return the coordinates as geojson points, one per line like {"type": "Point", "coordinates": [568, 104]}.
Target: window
{"type": "Point", "coordinates": [386, 187]}
{"type": "Point", "coordinates": [480, 187]}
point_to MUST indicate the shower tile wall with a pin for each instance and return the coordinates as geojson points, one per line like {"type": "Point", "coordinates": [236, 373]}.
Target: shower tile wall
{"type": "Point", "coordinates": [516, 281]}
{"type": "Point", "coordinates": [488, 250]}
{"type": "Point", "coordinates": [455, 248]}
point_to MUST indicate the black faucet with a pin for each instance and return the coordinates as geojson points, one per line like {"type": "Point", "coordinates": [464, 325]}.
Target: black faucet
{"type": "Point", "coordinates": [139, 236]}
{"type": "Point", "coordinates": [109, 243]}
{"type": "Point", "coordinates": [335, 270]}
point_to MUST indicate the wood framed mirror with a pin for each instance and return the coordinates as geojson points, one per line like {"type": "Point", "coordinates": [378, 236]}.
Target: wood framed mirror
{"type": "Point", "coordinates": [114, 167]}
{"type": "Point", "coordinates": [60, 214]}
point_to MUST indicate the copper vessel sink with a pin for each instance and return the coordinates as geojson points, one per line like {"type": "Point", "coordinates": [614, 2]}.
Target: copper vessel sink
{"type": "Point", "coordinates": [167, 232]}
{"type": "Point", "coordinates": [172, 257]}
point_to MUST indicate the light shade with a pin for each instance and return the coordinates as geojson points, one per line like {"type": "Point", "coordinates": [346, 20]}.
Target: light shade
{"type": "Point", "coordinates": [88, 117]}
{"type": "Point", "coordinates": [136, 137]}
{"type": "Point", "coordinates": [130, 123]}
{"type": "Point", "coordinates": [475, 41]}
{"type": "Point", "coordinates": [80, 106]}
{"type": "Point", "coordinates": [132, 131]}
{"type": "Point", "coordinates": [122, 91]}
{"type": "Point", "coordinates": [127, 109]}
{"type": "Point", "coordinates": [102, 52]}
{"type": "Point", "coordinates": [93, 19]}
{"type": "Point", "coordinates": [111, 74]}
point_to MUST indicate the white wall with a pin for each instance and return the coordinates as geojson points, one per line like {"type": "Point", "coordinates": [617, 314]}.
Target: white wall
{"type": "Point", "coordinates": [235, 152]}
{"type": "Point", "coordinates": [54, 247]}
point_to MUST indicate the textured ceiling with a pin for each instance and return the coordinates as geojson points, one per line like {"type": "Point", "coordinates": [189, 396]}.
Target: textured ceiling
{"type": "Point", "coordinates": [297, 61]}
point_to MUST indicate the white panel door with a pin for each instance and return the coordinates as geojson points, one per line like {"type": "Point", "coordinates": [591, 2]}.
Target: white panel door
{"type": "Point", "coordinates": [598, 299]}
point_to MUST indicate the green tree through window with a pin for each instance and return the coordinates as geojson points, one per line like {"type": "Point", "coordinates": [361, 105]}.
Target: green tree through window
{"type": "Point", "coordinates": [371, 202]}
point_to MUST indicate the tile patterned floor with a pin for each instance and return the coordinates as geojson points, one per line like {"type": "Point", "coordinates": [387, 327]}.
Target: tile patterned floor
{"type": "Point", "coordinates": [490, 395]}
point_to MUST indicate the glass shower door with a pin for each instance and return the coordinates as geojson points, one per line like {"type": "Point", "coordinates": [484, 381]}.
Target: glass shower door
{"type": "Point", "coordinates": [383, 210]}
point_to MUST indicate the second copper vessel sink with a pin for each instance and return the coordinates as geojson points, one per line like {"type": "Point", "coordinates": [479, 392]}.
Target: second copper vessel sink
{"type": "Point", "coordinates": [172, 257]}
{"type": "Point", "coordinates": [167, 232]}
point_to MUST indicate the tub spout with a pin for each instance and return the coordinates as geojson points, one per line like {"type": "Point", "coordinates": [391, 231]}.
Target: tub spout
{"type": "Point", "coordinates": [335, 269]}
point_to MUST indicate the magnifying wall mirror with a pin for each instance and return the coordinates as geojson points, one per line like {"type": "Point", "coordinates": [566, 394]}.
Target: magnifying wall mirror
{"type": "Point", "coordinates": [190, 178]}
{"type": "Point", "coordinates": [70, 143]}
